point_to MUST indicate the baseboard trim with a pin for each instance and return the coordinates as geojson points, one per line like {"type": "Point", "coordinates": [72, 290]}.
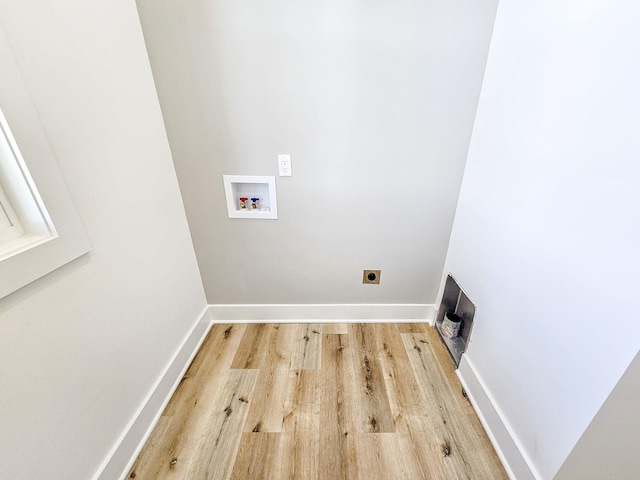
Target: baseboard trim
{"type": "Point", "coordinates": [326, 313]}
{"type": "Point", "coordinates": [121, 458]}
{"type": "Point", "coordinates": [505, 442]}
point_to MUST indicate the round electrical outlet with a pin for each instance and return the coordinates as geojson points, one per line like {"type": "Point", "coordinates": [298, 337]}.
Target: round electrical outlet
{"type": "Point", "coordinates": [371, 277]}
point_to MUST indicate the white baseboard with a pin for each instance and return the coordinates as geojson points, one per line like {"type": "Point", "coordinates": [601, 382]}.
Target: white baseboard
{"type": "Point", "coordinates": [505, 442]}
{"type": "Point", "coordinates": [121, 458]}
{"type": "Point", "coordinates": [322, 313]}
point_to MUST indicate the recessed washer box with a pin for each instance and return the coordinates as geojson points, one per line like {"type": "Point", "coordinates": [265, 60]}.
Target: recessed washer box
{"type": "Point", "coordinates": [237, 187]}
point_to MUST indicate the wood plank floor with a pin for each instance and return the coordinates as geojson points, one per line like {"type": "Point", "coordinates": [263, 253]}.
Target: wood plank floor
{"type": "Point", "coordinates": [319, 401]}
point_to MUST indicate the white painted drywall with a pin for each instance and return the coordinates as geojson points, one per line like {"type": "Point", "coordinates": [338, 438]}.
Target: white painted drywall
{"type": "Point", "coordinates": [545, 239]}
{"type": "Point", "coordinates": [81, 348]}
{"type": "Point", "coordinates": [373, 100]}
{"type": "Point", "coordinates": [609, 446]}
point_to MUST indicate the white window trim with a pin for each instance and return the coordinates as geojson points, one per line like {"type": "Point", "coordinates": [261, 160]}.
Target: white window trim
{"type": "Point", "coordinates": [31, 224]}
{"type": "Point", "coordinates": [10, 227]}
{"type": "Point", "coordinates": [53, 236]}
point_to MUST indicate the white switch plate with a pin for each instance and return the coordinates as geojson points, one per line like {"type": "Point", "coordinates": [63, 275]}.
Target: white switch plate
{"type": "Point", "coordinates": [284, 165]}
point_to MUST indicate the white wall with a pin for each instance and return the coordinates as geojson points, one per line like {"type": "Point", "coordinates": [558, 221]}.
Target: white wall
{"type": "Point", "coordinates": [81, 348]}
{"type": "Point", "coordinates": [609, 446]}
{"type": "Point", "coordinates": [545, 235]}
{"type": "Point", "coordinates": [373, 100]}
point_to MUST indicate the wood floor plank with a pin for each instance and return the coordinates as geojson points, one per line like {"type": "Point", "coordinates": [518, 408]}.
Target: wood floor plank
{"type": "Point", "coordinates": [258, 457]}
{"type": "Point", "coordinates": [222, 433]}
{"type": "Point", "coordinates": [418, 327]}
{"type": "Point", "coordinates": [307, 347]}
{"type": "Point", "coordinates": [334, 328]}
{"type": "Point", "coordinates": [299, 442]}
{"type": "Point", "coordinates": [431, 454]}
{"type": "Point", "coordinates": [304, 392]}
{"type": "Point", "coordinates": [387, 456]}
{"type": "Point", "coordinates": [337, 405]}
{"type": "Point", "coordinates": [464, 446]}
{"type": "Point", "coordinates": [374, 412]}
{"type": "Point", "coordinates": [293, 453]}
{"type": "Point", "coordinates": [254, 348]}
{"type": "Point", "coordinates": [267, 411]}
{"type": "Point", "coordinates": [211, 362]}
{"type": "Point", "coordinates": [402, 388]}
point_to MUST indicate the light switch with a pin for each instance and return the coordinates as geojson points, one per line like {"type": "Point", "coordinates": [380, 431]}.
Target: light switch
{"type": "Point", "coordinates": [284, 165]}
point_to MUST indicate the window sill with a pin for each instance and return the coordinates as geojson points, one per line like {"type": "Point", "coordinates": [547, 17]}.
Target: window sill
{"type": "Point", "coordinates": [22, 244]}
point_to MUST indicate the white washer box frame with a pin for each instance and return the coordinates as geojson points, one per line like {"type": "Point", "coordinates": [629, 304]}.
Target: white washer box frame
{"type": "Point", "coordinates": [263, 187]}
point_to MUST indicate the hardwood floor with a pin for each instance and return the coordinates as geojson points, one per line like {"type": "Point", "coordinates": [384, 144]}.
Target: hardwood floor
{"type": "Point", "coordinates": [312, 401]}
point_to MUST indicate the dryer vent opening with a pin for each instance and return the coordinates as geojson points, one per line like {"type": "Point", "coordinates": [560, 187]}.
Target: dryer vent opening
{"type": "Point", "coordinates": [455, 319]}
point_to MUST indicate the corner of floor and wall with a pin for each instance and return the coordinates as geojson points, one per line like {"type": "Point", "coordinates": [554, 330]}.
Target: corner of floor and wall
{"type": "Point", "coordinates": [495, 143]}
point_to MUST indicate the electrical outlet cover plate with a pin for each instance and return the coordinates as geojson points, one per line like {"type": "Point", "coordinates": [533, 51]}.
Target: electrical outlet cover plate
{"type": "Point", "coordinates": [284, 165]}
{"type": "Point", "coordinates": [371, 277]}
